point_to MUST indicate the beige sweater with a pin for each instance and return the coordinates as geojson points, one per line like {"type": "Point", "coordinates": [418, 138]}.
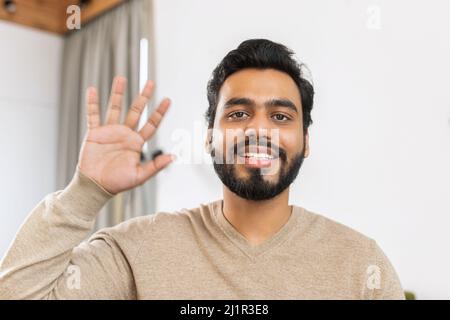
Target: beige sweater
{"type": "Point", "coordinates": [190, 254]}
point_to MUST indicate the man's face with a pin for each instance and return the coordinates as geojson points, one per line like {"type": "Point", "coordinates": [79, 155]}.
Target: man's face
{"type": "Point", "coordinates": [257, 142]}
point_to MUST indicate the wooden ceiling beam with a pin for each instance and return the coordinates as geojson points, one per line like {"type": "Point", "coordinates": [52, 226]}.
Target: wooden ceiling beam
{"type": "Point", "coordinates": [50, 15]}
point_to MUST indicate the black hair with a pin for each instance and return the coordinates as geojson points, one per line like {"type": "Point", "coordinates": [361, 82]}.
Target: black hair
{"type": "Point", "coordinates": [260, 54]}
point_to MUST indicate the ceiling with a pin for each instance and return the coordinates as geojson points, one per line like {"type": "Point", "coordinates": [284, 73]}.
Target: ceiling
{"type": "Point", "coordinates": [50, 15]}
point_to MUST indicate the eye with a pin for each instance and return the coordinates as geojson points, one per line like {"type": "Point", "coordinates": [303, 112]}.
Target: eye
{"type": "Point", "coordinates": [237, 115]}
{"type": "Point", "coordinates": [281, 117]}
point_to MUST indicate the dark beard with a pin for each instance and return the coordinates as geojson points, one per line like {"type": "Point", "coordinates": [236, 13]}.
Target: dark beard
{"type": "Point", "coordinates": [255, 187]}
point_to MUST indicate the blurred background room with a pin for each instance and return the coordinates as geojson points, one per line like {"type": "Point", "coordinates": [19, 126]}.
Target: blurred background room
{"type": "Point", "coordinates": [380, 140]}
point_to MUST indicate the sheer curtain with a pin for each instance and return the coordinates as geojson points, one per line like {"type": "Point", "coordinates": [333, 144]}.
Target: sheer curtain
{"type": "Point", "coordinates": [107, 46]}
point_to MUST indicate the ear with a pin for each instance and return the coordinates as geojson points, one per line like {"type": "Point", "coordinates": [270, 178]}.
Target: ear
{"type": "Point", "coordinates": [208, 142]}
{"type": "Point", "coordinates": [306, 143]}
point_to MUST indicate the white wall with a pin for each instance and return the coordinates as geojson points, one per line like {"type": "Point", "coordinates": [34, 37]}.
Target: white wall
{"type": "Point", "coordinates": [29, 89]}
{"type": "Point", "coordinates": [380, 142]}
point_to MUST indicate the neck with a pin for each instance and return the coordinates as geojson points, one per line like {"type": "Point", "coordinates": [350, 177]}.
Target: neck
{"type": "Point", "coordinates": [256, 220]}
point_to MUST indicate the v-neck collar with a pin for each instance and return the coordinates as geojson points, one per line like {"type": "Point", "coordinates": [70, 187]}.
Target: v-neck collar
{"type": "Point", "coordinates": [253, 251]}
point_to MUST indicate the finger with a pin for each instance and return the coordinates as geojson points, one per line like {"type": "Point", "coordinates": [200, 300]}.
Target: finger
{"type": "Point", "coordinates": [92, 108]}
{"type": "Point", "coordinates": [138, 105]}
{"type": "Point", "coordinates": [154, 120]}
{"type": "Point", "coordinates": [149, 169]}
{"type": "Point", "coordinates": [115, 100]}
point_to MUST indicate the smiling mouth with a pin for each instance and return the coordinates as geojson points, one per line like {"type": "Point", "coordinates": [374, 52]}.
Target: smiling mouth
{"type": "Point", "coordinates": [257, 157]}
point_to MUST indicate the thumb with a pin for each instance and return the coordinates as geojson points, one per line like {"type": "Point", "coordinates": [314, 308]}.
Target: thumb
{"type": "Point", "coordinates": [150, 168]}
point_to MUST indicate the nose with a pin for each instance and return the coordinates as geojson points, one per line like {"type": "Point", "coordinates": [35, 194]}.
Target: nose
{"type": "Point", "coordinates": [260, 125]}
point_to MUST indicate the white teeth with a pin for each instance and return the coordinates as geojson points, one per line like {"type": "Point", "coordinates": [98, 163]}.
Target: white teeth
{"type": "Point", "coordinates": [258, 155]}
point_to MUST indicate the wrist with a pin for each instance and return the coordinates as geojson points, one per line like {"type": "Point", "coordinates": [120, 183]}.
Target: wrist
{"type": "Point", "coordinates": [84, 196]}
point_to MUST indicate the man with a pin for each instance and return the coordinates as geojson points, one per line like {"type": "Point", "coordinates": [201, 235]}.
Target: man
{"type": "Point", "coordinates": [249, 245]}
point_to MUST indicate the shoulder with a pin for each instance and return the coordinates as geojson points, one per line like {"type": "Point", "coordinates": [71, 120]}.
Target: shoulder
{"type": "Point", "coordinates": [164, 222]}
{"type": "Point", "coordinates": [334, 233]}
{"type": "Point", "coordinates": [337, 242]}
{"type": "Point", "coordinates": [352, 250]}
{"type": "Point", "coordinates": [182, 218]}
{"type": "Point", "coordinates": [129, 232]}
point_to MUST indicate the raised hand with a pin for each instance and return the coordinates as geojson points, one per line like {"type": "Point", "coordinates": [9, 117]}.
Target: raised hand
{"type": "Point", "coordinates": [110, 153]}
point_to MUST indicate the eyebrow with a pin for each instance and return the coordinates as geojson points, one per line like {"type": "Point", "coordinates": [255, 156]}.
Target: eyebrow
{"type": "Point", "coordinates": [269, 103]}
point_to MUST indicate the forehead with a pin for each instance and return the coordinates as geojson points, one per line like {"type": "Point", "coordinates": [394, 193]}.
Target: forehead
{"type": "Point", "coordinates": [259, 85]}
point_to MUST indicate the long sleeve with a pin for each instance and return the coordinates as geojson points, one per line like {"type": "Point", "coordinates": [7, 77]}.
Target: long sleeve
{"type": "Point", "coordinates": [49, 260]}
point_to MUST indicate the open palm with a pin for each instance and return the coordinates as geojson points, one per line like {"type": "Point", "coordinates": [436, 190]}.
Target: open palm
{"type": "Point", "coordinates": [110, 153]}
